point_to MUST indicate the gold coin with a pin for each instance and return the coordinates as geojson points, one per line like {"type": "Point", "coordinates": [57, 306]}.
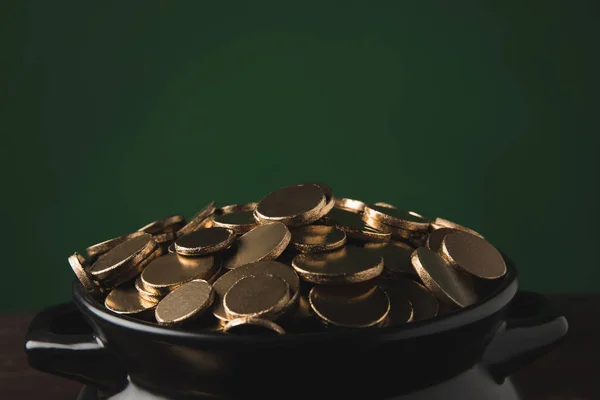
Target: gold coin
{"type": "Point", "coordinates": [338, 305]}
{"type": "Point", "coordinates": [126, 300]}
{"type": "Point", "coordinates": [237, 217]}
{"type": "Point", "coordinates": [349, 264]}
{"type": "Point", "coordinates": [444, 223]}
{"type": "Point", "coordinates": [261, 296]}
{"type": "Point", "coordinates": [171, 248]}
{"type": "Point", "coordinates": [204, 241]}
{"type": "Point", "coordinates": [446, 283]}
{"type": "Point", "coordinates": [102, 247]}
{"type": "Point", "coordinates": [408, 220]}
{"type": "Point", "coordinates": [165, 237]}
{"type": "Point", "coordinates": [424, 303]}
{"type": "Point", "coordinates": [292, 205]}
{"type": "Point", "coordinates": [384, 204]}
{"type": "Point", "coordinates": [474, 255]}
{"type": "Point", "coordinates": [317, 238]}
{"type": "Point", "coordinates": [329, 198]}
{"type": "Point", "coordinates": [401, 310]}
{"type": "Point", "coordinates": [355, 206]}
{"type": "Point", "coordinates": [78, 265]}
{"type": "Point", "coordinates": [135, 269]}
{"type": "Point", "coordinates": [218, 270]}
{"type": "Point", "coordinates": [145, 294]}
{"type": "Point", "coordinates": [352, 223]}
{"type": "Point", "coordinates": [252, 326]}
{"type": "Point", "coordinates": [123, 257]}
{"type": "Point", "coordinates": [396, 258]}
{"type": "Point", "coordinates": [434, 241]}
{"type": "Point", "coordinates": [265, 242]}
{"type": "Point", "coordinates": [225, 282]}
{"type": "Point", "coordinates": [187, 302]}
{"type": "Point", "coordinates": [170, 271]}
{"type": "Point", "coordinates": [198, 221]}
{"type": "Point", "coordinates": [168, 224]}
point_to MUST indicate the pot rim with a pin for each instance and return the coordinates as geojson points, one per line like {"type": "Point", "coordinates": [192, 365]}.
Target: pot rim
{"type": "Point", "coordinates": [489, 305]}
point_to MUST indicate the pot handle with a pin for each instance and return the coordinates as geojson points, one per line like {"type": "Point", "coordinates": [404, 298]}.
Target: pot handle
{"type": "Point", "coordinates": [532, 328]}
{"type": "Point", "coordinates": [55, 345]}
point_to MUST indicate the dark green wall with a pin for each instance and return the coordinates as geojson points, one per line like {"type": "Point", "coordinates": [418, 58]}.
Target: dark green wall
{"type": "Point", "coordinates": [115, 115]}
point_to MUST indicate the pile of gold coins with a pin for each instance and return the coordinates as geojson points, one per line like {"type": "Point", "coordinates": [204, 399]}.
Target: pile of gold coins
{"type": "Point", "coordinates": [299, 260]}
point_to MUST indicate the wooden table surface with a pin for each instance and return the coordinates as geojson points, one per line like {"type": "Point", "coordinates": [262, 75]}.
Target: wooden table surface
{"type": "Point", "coordinates": [570, 372]}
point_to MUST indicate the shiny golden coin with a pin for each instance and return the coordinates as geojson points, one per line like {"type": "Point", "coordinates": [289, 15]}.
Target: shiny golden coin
{"type": "Point", "coordinates": [260, 296]}
{"type": "Point", "coordinates": [401, 310]}
{"type": "Point", "coordinates": [337, 305]}
{"type": "Point", "coordinates": [123, 257]}
{"type": "Point", "coordinates": [424, 303]}
{"type": "Point", "coordinates": [103, 247]}
{"type": "Point", "coordinates": [355, 206]}
{"type": "Point", "coordinates": [352, 223]}
{"type": "Point", "coordinates": [349, 264]}
{"type": "Point", "coordinates": [396, 258]}
{"type": "Point", "coordinates": [187, 302]}
{"type": "Point", "coordinates": [446, 283]}
{"type": "Point", "coordinates": [384, 204]}
{"type": "Point", "coordinates": [145, 294]}
{"type": "Point", "coordinates": [172, 223]}
{"type": "Point", "coordinates": [198, 221]}
{"type": "Point", "coordinates": [329, 198]}
{"type": "Point", "coordinates": [170, 271]}
{"type": "Point", "coordinates": [226, 281]}
{"type": "Point", "coordinates": [292, 205]}
{"type": "Point", "coordinates": [444, 223]}
{"type": "Point", "coordinates": [317, 238]}
{"type": "Point", "coordinates": [126, 300]}
{"type": "Point", "coordinates": [473, 255]}
{"type": "Point", "coordinates": [237, 217]}
{"type": "Point", "coordinates": [265, 242]}
{"type": "Point", "coordinates": [204, 241]}
{"type": "Point", "coordinates": [78, 265]}
{"type": "Point", "coordinates": [252, 326]}
{"type": "Point", "coordinates": [434, 241]}
{"type": "Point", "coordinates": [135, 269]}
{"type": "Point", "coordinates": [408, 220]}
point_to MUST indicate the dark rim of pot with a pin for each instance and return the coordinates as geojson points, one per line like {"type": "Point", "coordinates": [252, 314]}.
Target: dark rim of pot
{"type": "Point", "coordinates": [487, 306]}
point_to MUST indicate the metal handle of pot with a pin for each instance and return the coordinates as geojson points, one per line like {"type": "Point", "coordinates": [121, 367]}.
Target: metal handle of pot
{"type": "Point", "coordinates": [532, 328]}
{"type": "Point", "coordinates": [55, 345]}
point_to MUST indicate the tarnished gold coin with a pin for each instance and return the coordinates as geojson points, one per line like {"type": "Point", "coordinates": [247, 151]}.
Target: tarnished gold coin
{"type": "Point", "coordinates": [401, 310]}
{"type": "Point", "coordinates": [265, 242]}
{"type": "Point", "coordinates": [260, 296]}
{"type": "Point", "coordinates": [446, 283]}
{"type": "Point", "coordinates": [396, 258]}
{"type": "Point", "coordinates": [126, 300]}
{"type": "Point", "coordinates": [352, 223]}
{"type": "Point", "coordinates": [473, 255]}
{"type": "Point", "coordinates": [187, 302]}
{"type": "Point", "coordinates": [171, 223]}
{"type": "Point", "coordinates": [170, 271]}
{"type": "Point", "coordinates": [356, 206]}
{"type": "Point", "coordinates": [204, 241]}
{"type": "Point", "coordinates": [252, 326]}
{"type": "Point", "coordinates": [434, 241]}
{"type": "Point", "coordinates": [349, 264]}
{"type": "Point", "coordinates": [444, 223]}
{"type": "Point", "coordinates": [348, 307]}
{"type": "Point", "coordinates": [292, 205]}
{"type": "Point", "coordinates": [123, 257]}
{"type": "Point", "coordinates": [78, 265]}
{"type": "Point", "coordinates": [317, 238]}
{"type": "Point", "coordinates": [329, 198]}
{"type": "Point", "coordinates": [226, 281]}
{"type": "Point", "coordinates": [102, 247]}
{"type": "Point", "coordinates": [200, 220]}
{"type": "Point", "coordinates": [408, 220]}
{"type": "Point", "coordinates": [145, 294]}
{"type": "Point", "coordinates": [237, 217]}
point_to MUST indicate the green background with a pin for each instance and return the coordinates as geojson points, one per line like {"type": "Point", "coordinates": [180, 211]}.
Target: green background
{"type": "Point", "coordinates": [118, 113]}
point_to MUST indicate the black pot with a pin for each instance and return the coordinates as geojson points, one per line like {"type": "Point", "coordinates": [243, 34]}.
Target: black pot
{"type": "Point", "coordinates": [467, 354]}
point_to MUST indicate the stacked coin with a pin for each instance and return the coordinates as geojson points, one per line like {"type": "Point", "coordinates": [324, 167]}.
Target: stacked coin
{"type": "Point", "coordinates": [298, 260]}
